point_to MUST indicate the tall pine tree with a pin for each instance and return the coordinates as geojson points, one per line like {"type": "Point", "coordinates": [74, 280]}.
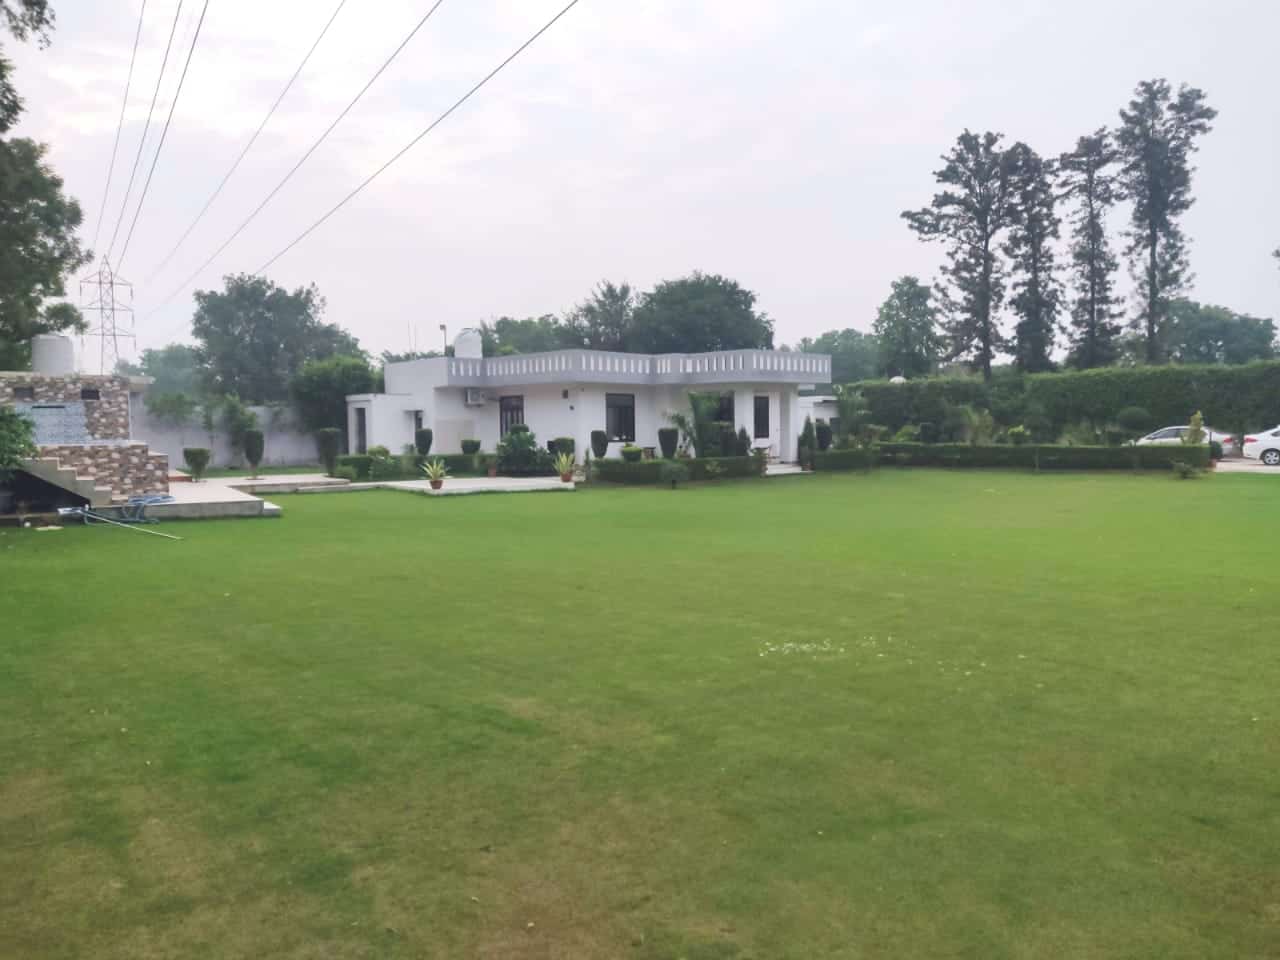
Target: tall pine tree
{"type": "Point", "coordinates": [1088, 179]}
{"type": "Point", "coordinates": [970, 215]}
{"type": "Point", "coordinates": [1037, 291]}
{"type": "Point", "coordinates": [1157, 137]}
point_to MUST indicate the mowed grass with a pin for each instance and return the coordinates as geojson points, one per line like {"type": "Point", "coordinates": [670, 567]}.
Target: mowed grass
{"type": "Point", "coordinates": [909, 714]}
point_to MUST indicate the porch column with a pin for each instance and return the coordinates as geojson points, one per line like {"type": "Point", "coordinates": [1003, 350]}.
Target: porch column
{"type": "Point", "coordinates": [744, 409]}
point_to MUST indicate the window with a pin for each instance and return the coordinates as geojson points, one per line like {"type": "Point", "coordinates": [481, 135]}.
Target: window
{"type": "Point", "coordinates": [762, 418]}
{"type": "Point", "coordinates": [620, 416]}
{"type": "Point", "coordinates": [90, 393]}
{"type": "Point", "coordinates": [24, 393]}
{"type": "Point", "coordinates": [510, 412]}
{"type": "Point", "coordinates": [724, 412]}
{"type": "Point", "coordinates": [362, 430]}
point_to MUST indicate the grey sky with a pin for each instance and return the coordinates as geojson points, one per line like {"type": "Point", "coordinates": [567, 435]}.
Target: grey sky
{"type": "Point", "coordinates": [775, 142]}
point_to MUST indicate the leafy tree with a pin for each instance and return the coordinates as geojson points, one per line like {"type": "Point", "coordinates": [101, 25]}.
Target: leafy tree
{"type": "Point", "coordinates": [320, 390]}
{"type": "Point", "coordinates": [235, 417]}
{"type": "Point", "coordinates": [906, 330]}
{"type": "Point", "coordinates": [698, 313]}
{"type": "Point", "coordinates": [17, 441]}
{"type": "Point", "coordinates": [603, 321]}
{"type": "Point", "coordinates": [854, 355]}
{"type": "Point", "coordinates": [175, 369]}
{"type": "Point", "coordinates": [173, 408]}
{"type": "Point", "coordinates": [1157, 137]}
{"type": "Point", "coordinates": [530, 335]}
{"type": "Point", "coordinates": [1088, 179]}
{"type": "Point", "coordinates": [1036, 290]}
{"type": "Point", "coordinates": [1210, 334]}
{"type": "Point", "coordinates": [969, 215]}
{"type": "Point", "coordinates": [389, 356]}
{"type": "Point", "coordinates": [253, 337]}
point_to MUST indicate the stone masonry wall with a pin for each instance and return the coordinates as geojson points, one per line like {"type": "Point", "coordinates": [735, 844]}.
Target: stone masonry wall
{"type": "Point", "coordinates": [106, 418]}
{"type": "Point", "coordinates": [128, 468]}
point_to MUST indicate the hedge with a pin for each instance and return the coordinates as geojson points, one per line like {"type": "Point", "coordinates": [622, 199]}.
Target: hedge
{"type": "Point", "coordinates": [648, 471]}
{"type": "Point", "coordinates": [862, 458]}
{"type": "Point", "coordinates": [362, 464]}
{"type": "Point", "coordinates": [1232, 398]}
{"type": "Point", "coordinates": [1042, 457]}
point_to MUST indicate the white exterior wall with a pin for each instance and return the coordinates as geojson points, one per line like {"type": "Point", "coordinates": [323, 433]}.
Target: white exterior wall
{"type": "Point", "coordinates": [388, 420]}
{"type": "Point", "coordinates": [285, 442]}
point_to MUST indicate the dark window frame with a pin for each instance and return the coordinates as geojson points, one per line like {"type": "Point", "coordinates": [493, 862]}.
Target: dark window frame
{"type": "Point", "coordinates": [90, 393]}
{"type": "Point", "coordinates": [755, 426]}
{"type": "Point", "coordinates": [510, 412]}
{"type": "Point", "coordinates": [625, 417]}
{"type": "Point", "coordinates": [24, 394]}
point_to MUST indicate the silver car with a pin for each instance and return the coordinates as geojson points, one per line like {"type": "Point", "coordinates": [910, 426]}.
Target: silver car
{"type": "Point", "coordinates": [1172, 435]}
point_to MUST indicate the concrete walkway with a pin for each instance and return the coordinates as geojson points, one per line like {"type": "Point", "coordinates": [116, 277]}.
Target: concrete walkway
{"type": "Point", "coordinates": [1241, 465]}
{"type": "Point", "coordinates": [457, 486]}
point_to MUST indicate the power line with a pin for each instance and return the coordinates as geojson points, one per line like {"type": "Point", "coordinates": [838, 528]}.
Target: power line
{"type": "Point", "coordinates": [412, 143]}
{"type": "Point", "coordinates": [310, 150]}
{"type": "Point", "coordinates": [248, 146]}
{"type": "Point", "coordinates": [163, 133]}
{"type": "Point", "coordinates": [111, 167]}
{"type": "Point", "coordinates": [146, 127]}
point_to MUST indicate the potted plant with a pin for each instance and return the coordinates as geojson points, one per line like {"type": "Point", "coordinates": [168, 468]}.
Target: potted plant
{"type": "Point", "coordinates": [564, 467]}
{"type": "Point", "coordinates": [488, 463]}
{"type": "Point", "coordinates": [435, 472]}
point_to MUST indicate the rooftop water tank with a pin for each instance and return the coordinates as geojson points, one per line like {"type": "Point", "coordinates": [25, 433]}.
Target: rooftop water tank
{"type": "Point", "coordinates": [467, 344]}
{"type": "Point", "coordinates": [53, 355]}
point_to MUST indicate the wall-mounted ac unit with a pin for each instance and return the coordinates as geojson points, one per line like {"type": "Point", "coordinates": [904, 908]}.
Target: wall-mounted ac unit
{"type": "Point", "coordinates": [474, 397]}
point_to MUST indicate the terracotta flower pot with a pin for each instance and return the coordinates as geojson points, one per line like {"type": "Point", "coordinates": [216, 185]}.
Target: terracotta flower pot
{"type": "Point", "coordinates": [436, 484]}
{"type": "Point", "coordinates": [493, 471]}
{"type": "Point", "coordinates": [566, 478]}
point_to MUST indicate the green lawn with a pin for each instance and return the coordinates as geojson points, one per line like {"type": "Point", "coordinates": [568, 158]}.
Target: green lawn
{"type": "Point", "coordinates": [912, 714]}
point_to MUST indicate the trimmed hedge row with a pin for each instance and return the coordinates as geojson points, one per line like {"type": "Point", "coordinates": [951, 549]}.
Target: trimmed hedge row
{"type": "Point", "coordinates": [1232, 398]}
{"type": "Point", "coordinates": [1041, 457]}
{"type": "Point", "coordinates": [862, 458]}
{"type": "Point", "coordinates": [648, 471]}
{"type": "Point", "coordinates": [362, 464]}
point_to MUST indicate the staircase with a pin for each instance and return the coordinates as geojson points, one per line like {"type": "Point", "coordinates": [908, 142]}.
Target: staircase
{"type": "Point", "coordinates": [51, 470]}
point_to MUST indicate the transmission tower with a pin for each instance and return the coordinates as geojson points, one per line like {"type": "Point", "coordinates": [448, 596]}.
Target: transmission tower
{"type": "Point", "coordinates": [111, 297]}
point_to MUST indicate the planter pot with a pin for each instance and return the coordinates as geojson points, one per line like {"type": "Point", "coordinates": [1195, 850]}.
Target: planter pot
{"type": "Point", "coordinates": [436, 484]}
{"type": "Point", "coordinates": [492, 471]}
{"type": "Point", "coordinates": [566, 478]}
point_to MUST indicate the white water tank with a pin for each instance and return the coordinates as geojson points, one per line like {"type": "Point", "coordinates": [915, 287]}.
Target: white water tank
{"type": "Point", "coordinates": [467, 344]}
{"type": "Point", "coordinates": [53, 354]}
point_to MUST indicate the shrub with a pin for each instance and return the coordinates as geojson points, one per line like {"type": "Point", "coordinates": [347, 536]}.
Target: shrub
{"type": "Point", "coordinates": [1040, 457]}
{"type": "Point", "coordinates": [1215, 450]}
{"type": "Point", "coordinates": [632, 453]}
{"type": "Point", "coordinates": [1019, 436]}
{"type": "Point", "coordinates": [928, 432]}
{"type": "Point", "coordinates": [599, 443]}
{"type": "Point", "coordinates": [385, 468]}
{"type": "Point", "coordinates": [742, 443]}
{"type": "Point", "coordinates": [760, 461]}
{"type": "Point", "coordinates": [519, 454]}
{"type": "Point", "coordinates": [650, 471]}
{"type": "Point", "coordinates": [564, 464]}
{"type": "Point", "coordinates": [1194, 436]}
{"type": "Point", "coordinates": [823, 433]}
{"type": "Point", "coordinates": [1183, 470]}
{"type": "Point", "coordinates": [344, 473]}
{"type": "Point", "coordinates": [196, 459]}
{"type": "Point", "coordinates": [673, 472]}
{"type": "Point", "coordinates": [852, 458]}
{"type": "Point", "coordinates": [668, 437]}
{"type": "Point", "coordinates": [471, 447]}
{"type": "Point", "coordinates": [17, 440]}
{"type": "Point", "coordinates": [435, 470]}
{"type": "Point", "coordinates": [807, 445]}
{"type": "Point", "coordinates": [361, 463]}
{"type": "Point", "coordinates": [564, 445]}
{"type": "Point", "coordinates": [712, 470]}
{"type": "Point", "coordinates": [328, 445]}
{"type": "Point", "coordinates": [909, 433]}
{"type": "Point", "coordinates": [422, 440]}
{"type": "Point", "coordinates": [254, 447]}
{"type": "Point", "coordinates": [1134, 421]}
{"type": "Point", "coordinates": [725, 442]}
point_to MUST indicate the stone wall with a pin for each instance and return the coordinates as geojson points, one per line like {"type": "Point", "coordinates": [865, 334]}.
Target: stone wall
{"type": "Point", "coordinates": [128, 468]}
{"type": "Point", "coordinates": [106, 418]}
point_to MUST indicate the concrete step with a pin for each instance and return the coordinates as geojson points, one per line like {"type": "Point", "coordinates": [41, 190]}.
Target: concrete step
{"type": "Point", "coordinates": [51, 470]}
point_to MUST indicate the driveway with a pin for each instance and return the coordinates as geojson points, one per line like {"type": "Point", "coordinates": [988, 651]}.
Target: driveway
{"type": "Point", "coordinates": [1241, 465]}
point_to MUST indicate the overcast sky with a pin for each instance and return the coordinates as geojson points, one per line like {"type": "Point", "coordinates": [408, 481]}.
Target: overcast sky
{"type": "Point", "coordinates": [774, 142]}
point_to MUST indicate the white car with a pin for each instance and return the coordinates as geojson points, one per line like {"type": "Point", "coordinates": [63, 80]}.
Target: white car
{"type": "Point", "coordinates": [1264, 446]}
{"type": "Point", "coordinates": [1175, 434]}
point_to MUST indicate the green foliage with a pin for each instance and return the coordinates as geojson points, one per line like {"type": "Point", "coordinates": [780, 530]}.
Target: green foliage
{"type": "Point", "coordinates": [855, 458]}
{"type": "Point", "coordinates": [435, 470]}
{"type": "Point", "coordinates": [1215, 450]}
{"type": "Point", "coordinates": [254, 447]}
{"type": "Point", "coordinates": [235, 418]}
{"type": "Point", "coordinates": [196, 459]}
{"type": "Point", "coordinates": [854, 355]}
{"type": "Point", "coordinates": [422, 440]}
{"type": "Point", "coordinates": [173, 408]}
{"type": "Point", "coordinates": [175, 368]}
{"type": "Point", "coordinates": [344, 473]}
{"type": "Point", "coordinates": [1040, 457]}
{"type": "Point", "coordinates": [668, 437]}
{"type": "Point", "coordinates": [602, 321]}
{"type": "Point", "coordinates": [564, 445]}
{"type": "Point", "coordinates": [321, 387]}
{"type": "Point", "coordinates": [383, 466]}
{"type": "Point", "coordinates": [1019, 436]}
{"type": "Point", "coordinates": [823, 432]}
{"type": "Point", "coordinates": [697, 313]}
{"type": "Point", "coordinates": [906, 330]}
{"type": "Point", "coordinates": [1210, 334]}
{"type": "Point", "coordinates": [1030, 249]}
{"type": "Point", "coordinates": [471, 447]}
{"type": "Point", "coordinates": [650, 471]}
{"type": "Point", "coordinates": [1183, 470]}
{"type": "Point", "coordinates": [328, 446]}
{"type": "Point", "coordinates": [599, 443]}
{"type": "Point", "coordinates": [631, 453]}
{"type": "Point", "coordinates": [361, 463]}
{"type": "Point", "coordinates": [519, 454]}
{"type": "Point", "coordinates": [674, 472]}
{"type": "Point", "coordinates": [909, 433]}
{"type": "Point", "coordinates": [1194, 436]}
{"type": "Point", "coordinates": [17, 440]}
{"type": "Point", "coordinates": [1134, 421]}
{"type": "Point", "coordinates": [564, 464]}
{"type": "Point", "coordinates": [808, 444]}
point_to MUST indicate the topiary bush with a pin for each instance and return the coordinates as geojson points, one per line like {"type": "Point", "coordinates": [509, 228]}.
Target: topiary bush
{"type": "Point", "coordinates": [422, 441]}
{"type": "Point", "coordinates": [668, 439]}
{"type": "Point", "coordinates": [823, 432]}
{"type": "Point", "coordinates": [520, 456]}
{"type": "Point", "coordinates": [599, 443]}
{"type": "Point", "coordinates": [1134, 422]}
{"type": "Point", "coordinates": [328, 446]}
{"type": "Point", "coordinates": [254, 446]}
{"type": "Point", "coordinates": [196, 459]}
{"type": "Point", "coordinates": [673, 472]}
{"type": "Point", "coordinates": [470, 447]}
{"type": "Point", "coordinates": [742, 443]}
{"type": "Point", "coordinates": [345, 473]}
{"type": "Point", "coordinates": [563, 445]}
{"type": "Point", "coordinates": [632, 453]}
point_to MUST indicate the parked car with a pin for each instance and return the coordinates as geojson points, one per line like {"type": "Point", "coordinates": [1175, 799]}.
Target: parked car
{"type": "Point", "coordinates": [1175, 434]}
{"type": "Point", "coordinates": [1264, 446]}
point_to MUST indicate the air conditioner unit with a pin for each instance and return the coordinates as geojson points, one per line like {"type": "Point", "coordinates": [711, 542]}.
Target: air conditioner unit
{"type": "Point", "coordinates": [474, 397]}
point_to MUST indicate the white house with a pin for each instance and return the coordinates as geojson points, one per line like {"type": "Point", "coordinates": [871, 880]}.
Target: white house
{"type": "Point", "coordinates": [570, 393]}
